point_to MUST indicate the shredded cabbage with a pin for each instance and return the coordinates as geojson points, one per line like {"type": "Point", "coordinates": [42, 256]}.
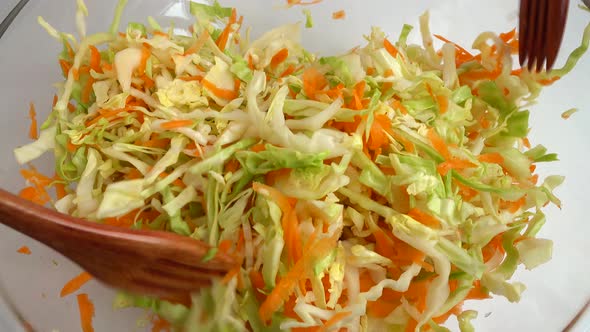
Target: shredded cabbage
{"type": "Point", "coordinates": [373, 190]}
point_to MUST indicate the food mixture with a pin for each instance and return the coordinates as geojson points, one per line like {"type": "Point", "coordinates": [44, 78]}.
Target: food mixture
{"type": "Point", "coordinates": [374, 190]}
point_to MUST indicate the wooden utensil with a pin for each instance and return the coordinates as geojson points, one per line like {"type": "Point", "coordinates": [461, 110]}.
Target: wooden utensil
{"type": "Point", "coordinates": [541, 27]}
{"type": "Point", "coordinates": [141, 261]}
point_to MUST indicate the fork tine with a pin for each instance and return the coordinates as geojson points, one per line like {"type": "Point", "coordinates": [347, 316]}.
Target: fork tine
{"type": "Point", "coordinates": [540, 32]}
{"type": "Point", "coordinates": [523, 29]}
{"type": "Point", "coordinates": [529, 37]}
{"type": "Point", "coordinates": [556, 29]}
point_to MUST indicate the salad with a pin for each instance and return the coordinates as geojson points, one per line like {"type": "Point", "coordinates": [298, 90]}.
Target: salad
{"type": "Point", "coordinates": [373, 190]}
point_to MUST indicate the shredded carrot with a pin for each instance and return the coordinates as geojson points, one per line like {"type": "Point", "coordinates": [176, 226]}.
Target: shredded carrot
{"type": "Point", "coordinates": [271, 177]}
{"type": "Point", "coordinates": [258, 147]}
{"type": "Point", "coordinates": [494, 158]}
{"type": "Point", "coordinates": [87, 90]}
{"type": "Point", "coordinates": [357, 97]}
{"type": "Point", "coordinates": [86, 308]}
{"type": "Point", "coordinates": [71, 108]}
{"type": "Point", "coordinates": [33, 116]}
{"type": "Point", "coordinates": [396, 104]}
{"type": "Point", "coordinates": [438, 144]}
{"type": "Point", "coordinates": [388, 73]}
{"type": "Point", "coordinates": [75, 283]}
{"type": "Point", "coordinates": [145, 55]}
{"type": "Point", "coordinates": [279, 58]}
{"type": "Point", "coordinates": [65, 67]}
{"type": "Point", "coordinates": [290, 70]}
{"type": "Point", "coordinates": [160, 33]}
{"type": "Point", "coordinates": [301, 3]}
{"type": "Point", "coordinates": [390, 48]}
{"type": "Point", "coordinates": [339, 15]}
{"type": "Point", "coordinates": [60, 189]}
{"type": "Point", "coordinates": [298, 272]}
{"type": "Point", "coordinates": [221, 93]}
{"type": "Point", "coordinates": [191, 78]}
{"type": "Point", "coordinates": [224, 36]}
{"type": "Point", "coordinates": [378, 133]}
{"type": "Point", "coordinates": [424, 218]}
{"type": "Point", "coordinates": [24, 250]}
{"type": "Point", "coordinates": [232, 166]}
{"type": "Point", "coordinates": [532, 168]}
{"type": "Point", "coordinates": [313, 82]}
{"type": "Point", "coordinates": [513, 206]}
{"type": "Point", "coordinates": [160, 324]}
{"type": "Point", "coordinates": [453, 163]}
{"type": "Point", "coordinates": [177, 124]}
{"type": "Point", "coordinates": [95, 59]}
{"type": "Point", "coordinates": [107, 114]}
{"type": "Point", "coordinates": [335, 319]}
{"type": "Point", "coordinates": [443, 104]}
{"type": "Point", "coordinates": [199, 43]}
{"type": "Point", "coordinates": [526, 142]}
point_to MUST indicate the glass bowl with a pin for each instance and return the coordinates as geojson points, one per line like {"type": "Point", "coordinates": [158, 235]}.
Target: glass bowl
{"type": "Point", "coordinates": [556, 291]}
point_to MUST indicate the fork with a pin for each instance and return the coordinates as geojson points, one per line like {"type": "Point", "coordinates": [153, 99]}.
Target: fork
{"type": "Point", "coordinates": [141, 261]}
{"type": "Point", "coordinates": [541, 27]}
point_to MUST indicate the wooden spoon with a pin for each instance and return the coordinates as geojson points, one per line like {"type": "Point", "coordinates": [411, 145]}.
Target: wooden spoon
{"type": "Point", "coordinates": [149, 262]}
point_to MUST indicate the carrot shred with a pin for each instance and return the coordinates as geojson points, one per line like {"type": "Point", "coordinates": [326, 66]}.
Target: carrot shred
{"type": "Point", "coordinates": [33, 134]}
{"type": "Point", "coordinates": [24, 250]}
{"type": "Point", "coordinates": [65, 67]}
{"type": "Point", "coordinates": [453, 163]}
{"type": "Point", "coordinates": [258, 147]}
{"type": "Point", "coordinates": [75, 283]}
{"type": "Point", "coordinates": [271, 177]}
{"type": "Point", "coordinates": [191, 78]}
{"type": "Point", "coordinates": [339, 15]}
{"type": "Point", "coordinates": [443, 104]}
{"type": "Point", "coordinates": [160, 324]}
{"type": "Point", "coordinates": [145, 55]}
{"type": "Point", "coordinates": [279, 58]}
{"type": "Point", "coordinates": [290, 70]}
{"type": "Point", "coordinates": [301, 3]}
{"type": "Point", "coordinates": [438, 144]}
{"type": "Point", "coordinates": [221, 93]}
{"type": "Point", "coordinates": [86, 308]}
{"type": "Point", "coordinates": [392, 50]}
{"type": "Point", "coordinates": [424, 218]}
{"type": "Point", "coordinates": [335, 319]}
{"type": "Point", "coordinates": [378, 133]}
{"type": "Point", "coordinates": [95, 59]}
{"type": "Point", "coordinates": [396, 104]}
{"type": "Point", "coordinates": [176, 124]}
{"type": "Point", "coordinates": [357, 96]}
{"type": "Point", "coordinates": [199, 43]}
{"type": "Point", "coordinates": [107, 114]}
{"type": "Point", "coordinates": [224, 36]}
{"type": "Point", "coordinates": [71, 108]}
{"type": "Point", "coordinates": [526, 142]}
{"type": "Point", "coordinates": [87, 90]}
{"type": "Point", "coordinates": [494, 158]}
{"type": "Point", "coordinates": [313, 82]}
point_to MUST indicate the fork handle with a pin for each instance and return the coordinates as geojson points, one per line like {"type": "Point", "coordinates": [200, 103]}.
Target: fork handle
{"type": "Point", "coordinates": [43, 224]}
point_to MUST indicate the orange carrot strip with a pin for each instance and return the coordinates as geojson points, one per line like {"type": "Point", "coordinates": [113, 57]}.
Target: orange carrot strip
{"type": "Point", "coordinates": [279, 58]}
{"type": "Point", "coordinates": [95, 59]}
{"type": "Point", "coordinates": [459, 48]}
{"type": "Point", "coordinates": [339, 15]}
{"type": "Point", "coordinates": [443, 104]}
{"type": "Point", "coordinates": [224, 36]}
{"type": "Point", "coordinates": [526, 143]}
{"type": "Point", "coordinates": [86, 308]}
{"type": "Point", "coordinates": [196, 47]}
{"type": "Point", "coordinates": [60, 190]}
{"type": "Point", "coordinates": [453, 163]}
{"type": "Point", "coordinates": [494, 158]}
{"type": "Point", "coordinates": [221, 93]}
{"type": "Point", "coordinates": [176, 124]}
{"type": "Point", "coordinates": [438, 144]}
{"type": "Point", "coordinates": [424, 218]}
{"type": "Point", "coordinates": [75, 283]}
{"type": "Point", "coordinates": [33, 116]}
{"type": "Point", "coordinates": [87, 90]}
{"type": "Point", "coordinates": [106, 114]}
{"type": "Point", "coordinates": [313, 82]}
{"type": "Point", "coordinates": [335, 319]}
{"type": "Point", "coordinates": [290, 70]}
{"type": "Point", "coordinates": [159, 323]}
{"type": "Point", "coordinates": [390, 48]}
{"type": "Point", "coordinates": [65, 67]}
{"type": "Point", "coordinates": [191, 78]}
{"type": "Point", "coordinates": [24, 250]}
{"type": "Point", "coordinates": [145, 55]}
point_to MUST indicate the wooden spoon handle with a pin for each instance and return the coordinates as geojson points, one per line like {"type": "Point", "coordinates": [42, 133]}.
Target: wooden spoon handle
{"type": "Point", "coordinates": [36, 221]}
